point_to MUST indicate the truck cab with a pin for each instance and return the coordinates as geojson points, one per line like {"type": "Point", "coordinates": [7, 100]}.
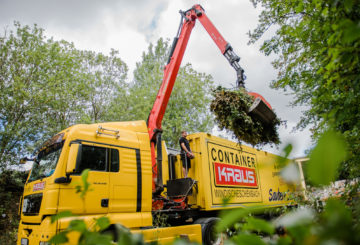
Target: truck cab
{"type": "Point", "coordinates": [119, 162]}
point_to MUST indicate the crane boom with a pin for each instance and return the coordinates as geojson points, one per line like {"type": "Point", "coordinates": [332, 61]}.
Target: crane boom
{"type": "Point", "coordinates": [171, 69]}
{"type": "Point", "coordinates": [187, 23]}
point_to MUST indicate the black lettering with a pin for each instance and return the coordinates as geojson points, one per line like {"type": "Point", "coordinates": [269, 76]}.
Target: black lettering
{"type": "Point", "coordinates": [213, 155]}
{"type": "Point", "coordinates": [274, 198]}
{"type": "Point", "coordinates": [221, 156]}
{"type": "Point", "coordinates": [243, 160]}
{"type": "Point", "coordinates": [227, 159]}
{"type": "Point", "coordinates": [253, 162]}
{"type": "Point", "coordinates": [277, 195]}
{"type": "Point", "coordinates": [237, 159]}
{"type": "Point", "coordinates": [248, 161]}
{"type": "Point", "coordinates": [232, 157]}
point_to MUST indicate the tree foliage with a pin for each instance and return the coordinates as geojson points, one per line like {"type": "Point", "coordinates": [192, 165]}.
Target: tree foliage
{"type": "Point", "coordinates": [318, 47]}
{"type": "Point", "coordinates": [188, 106]}
{"type": "Point", "coordinates": [38, 78]}
{"type": "Point", "coordinates": [48, 85]}
{"type": "Point", "coordinates": [105, 85]}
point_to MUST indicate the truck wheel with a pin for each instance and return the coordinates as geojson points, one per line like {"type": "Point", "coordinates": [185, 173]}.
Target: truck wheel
{"type": "Point", "coordinates": [209, 235]}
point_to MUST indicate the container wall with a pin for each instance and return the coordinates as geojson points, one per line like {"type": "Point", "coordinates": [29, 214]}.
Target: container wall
{"type": "Point", "coordinates": [244, 175]}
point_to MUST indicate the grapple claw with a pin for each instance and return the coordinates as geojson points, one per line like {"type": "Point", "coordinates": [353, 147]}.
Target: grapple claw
{"type": "Point", "coordinates": [261, 109]}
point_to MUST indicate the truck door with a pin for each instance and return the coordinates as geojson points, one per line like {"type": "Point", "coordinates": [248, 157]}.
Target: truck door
{"type": "Point", "coordinates": [125, 185]}
{"type": "Point", "coordinates": [97, 158]}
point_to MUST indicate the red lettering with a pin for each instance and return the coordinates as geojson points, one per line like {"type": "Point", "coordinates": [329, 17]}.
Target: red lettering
{"type": "Point", "coordinates": [234, 175]}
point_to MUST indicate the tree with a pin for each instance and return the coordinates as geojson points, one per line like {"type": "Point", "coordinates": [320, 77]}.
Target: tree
{"type": "Point", "coordinates": [38, 79]}
{"type": "Point", "coordinates": [63, 88]}
{"type": "Point", "coordinates": [47, 86]}
{"type": "Point", "coordinates": [318, 47]}
{"type": "Point", "coordinates": [106, 87]}
{"type": "Point", "coordinates": [188, 106]}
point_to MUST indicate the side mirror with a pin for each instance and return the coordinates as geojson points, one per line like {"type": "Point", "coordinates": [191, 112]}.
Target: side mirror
{"type": "Point", "coordinates": [75, 151]}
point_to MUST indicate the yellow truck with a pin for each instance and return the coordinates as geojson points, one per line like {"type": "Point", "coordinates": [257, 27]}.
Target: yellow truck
{"type": "Point", "coordinates": [118, 156]}
{"type": "Point", "coordinates": [129, 163]}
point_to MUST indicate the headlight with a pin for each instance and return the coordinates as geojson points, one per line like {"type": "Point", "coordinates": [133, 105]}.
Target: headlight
{"type": "Point", "coordinates": [44, 243]}
{"type": "Point", "coordinates": [24, 241]}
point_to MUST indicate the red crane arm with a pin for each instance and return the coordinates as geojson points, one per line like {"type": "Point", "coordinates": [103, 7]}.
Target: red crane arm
{"type": "Point", "coordinates": [170, 73]}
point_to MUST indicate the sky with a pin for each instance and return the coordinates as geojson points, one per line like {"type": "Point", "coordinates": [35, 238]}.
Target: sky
{"type": "Point", "coordinates": [130, 26]}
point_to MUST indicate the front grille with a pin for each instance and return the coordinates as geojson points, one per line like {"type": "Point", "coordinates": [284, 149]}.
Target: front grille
{"type": "Point", "coordinates": [32, 204]}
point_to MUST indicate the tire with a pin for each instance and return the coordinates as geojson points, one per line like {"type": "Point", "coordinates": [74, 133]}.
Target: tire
{"type": "Point", "coordinates": [209, 236]}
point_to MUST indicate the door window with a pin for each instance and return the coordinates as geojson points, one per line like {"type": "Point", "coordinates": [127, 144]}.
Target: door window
{"type": "Point", "coordinates": [99, 159]}
{"type": "Point", "coordinates": [114, 160]}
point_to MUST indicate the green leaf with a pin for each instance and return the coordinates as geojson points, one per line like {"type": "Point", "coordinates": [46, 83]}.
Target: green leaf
{"type": "Point", "coordinates": [63, 214]}
{"type": "Point", "coordinates": [231, 217]}
{"type": "Point", "coordinates": [282, 161]}
{"type": "Point", "coordinates": [259, 225]}
{"type": "Point", "coordinates": [77, 225]}
{"type": "Point", "coordinates": [351, 31]}
{"type": "Point", "coordinates": [248, 239]}
{"type": "Point", "coordinates": [84, 176]}
{"type": "Point", "coordinates": [348, 5]}
{"type": "Point", "coordinates": [103, 222]}
{"type": "Point", "coordinates": [326, 157]}
{"type": "Point", "coordinates": [59, 238]}
{"type": "Point", "coordinates": [287, 150]}
{"type": "Point", "coordinates": [284, 240]}
{"type": "Point", "coordinates": [337, 214]}
{"type": "Point", "coordinates": [125, 239]}
{"type": "Point", "coordinates": [85, 184]}
{"type": "Point", "coordinates": [95, 238]}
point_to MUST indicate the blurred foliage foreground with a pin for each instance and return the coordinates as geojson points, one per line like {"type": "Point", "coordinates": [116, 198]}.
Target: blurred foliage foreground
{"type": "Point", "coordinates": [313, 221]}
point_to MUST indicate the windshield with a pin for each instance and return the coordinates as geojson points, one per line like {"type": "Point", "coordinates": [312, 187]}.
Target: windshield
{"type": "Point", "coordinates": [46, 160]}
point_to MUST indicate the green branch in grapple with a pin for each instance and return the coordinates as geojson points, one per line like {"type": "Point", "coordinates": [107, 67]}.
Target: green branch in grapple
{"type": "Point", "coordinates": [231, 109]}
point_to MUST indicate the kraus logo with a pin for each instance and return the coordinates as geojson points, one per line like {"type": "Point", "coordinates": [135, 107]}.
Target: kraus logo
{"type": "Point", "coordinates": [39, 186]}
{"type": "Point", "coordinates": [226, 174]}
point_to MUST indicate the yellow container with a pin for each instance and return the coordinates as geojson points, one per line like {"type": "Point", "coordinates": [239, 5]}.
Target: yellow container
{"type": "Point", "coordinates": [226, 170]}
